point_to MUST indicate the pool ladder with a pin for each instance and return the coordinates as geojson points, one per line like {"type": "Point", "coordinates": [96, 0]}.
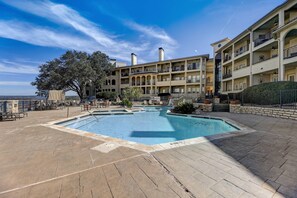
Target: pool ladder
{"type": "Point", "coordinates": [93, 115]}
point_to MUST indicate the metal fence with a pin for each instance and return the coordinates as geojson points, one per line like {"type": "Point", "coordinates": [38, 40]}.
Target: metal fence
{"type": "Point", "coordinates": [288, 99]}
{"type": "Point", "coordinates": [268, 98]}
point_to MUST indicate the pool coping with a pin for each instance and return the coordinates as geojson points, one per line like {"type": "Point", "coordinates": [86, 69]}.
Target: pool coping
{"type": "Point", "coordinates": [242, 130]}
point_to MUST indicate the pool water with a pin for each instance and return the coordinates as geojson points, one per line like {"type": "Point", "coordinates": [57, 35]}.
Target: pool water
{"type": "Point", "coordinates": [150, 127]}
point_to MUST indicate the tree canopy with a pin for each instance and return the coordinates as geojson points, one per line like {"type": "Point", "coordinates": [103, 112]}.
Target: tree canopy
{"type": "Point", "coordinates": [131, 93]}
{"type": "Point", "coordinates": [73, 71]}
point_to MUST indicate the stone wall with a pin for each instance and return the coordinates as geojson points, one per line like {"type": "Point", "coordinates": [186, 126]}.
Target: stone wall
{"type": "Point", "coordinates": [272, 112]}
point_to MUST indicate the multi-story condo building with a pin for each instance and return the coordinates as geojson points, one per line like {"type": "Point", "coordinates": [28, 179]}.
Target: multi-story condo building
{"type": "Point", "coordinates": [264, 52]}
{"type": "Point", "coordinates": [190, 76]}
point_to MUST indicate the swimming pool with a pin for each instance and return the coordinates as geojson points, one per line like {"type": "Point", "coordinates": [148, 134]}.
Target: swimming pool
{"type": "Point", "coordinates": [150, 127]}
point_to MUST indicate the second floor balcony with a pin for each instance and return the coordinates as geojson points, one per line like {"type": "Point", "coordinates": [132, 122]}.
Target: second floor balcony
{"type": "Point", "coordinates": [290, 52]}
{"type": "Point", "coordinates": [164, 70]}
{"type": "Point", "coordinates": [191, 67]}
{"type": "Point", "coordinates": [193, 81]}
{"type": "Point", "coordinates": [175, 69]}
{"type": "Point", "coordinates": [263, 58]}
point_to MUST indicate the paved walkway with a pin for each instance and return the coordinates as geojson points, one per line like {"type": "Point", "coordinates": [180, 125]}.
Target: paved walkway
{"type": "Point", "coordinates": [37, 161]}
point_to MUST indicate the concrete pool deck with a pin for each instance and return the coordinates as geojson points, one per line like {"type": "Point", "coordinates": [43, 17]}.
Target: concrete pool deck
{"type": "Point", "coordinates": [37, 161]}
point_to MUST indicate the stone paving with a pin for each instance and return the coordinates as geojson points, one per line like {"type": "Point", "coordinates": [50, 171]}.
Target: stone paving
{"type": "Point", "coordinates": [36, 161]}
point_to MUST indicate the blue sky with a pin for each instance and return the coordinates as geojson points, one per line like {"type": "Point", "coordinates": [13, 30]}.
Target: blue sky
{"type": "Point", "coordinates": [35, 31]}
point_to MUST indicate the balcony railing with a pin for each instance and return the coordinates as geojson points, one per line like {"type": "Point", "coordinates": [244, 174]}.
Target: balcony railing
{"type": "Point", "coordinates": [229, 75]}
{"type": "Point", "coordinates": [193, 81]}
{"type": "Point", "coordinates": [124, 74]}
{"type": "Point", "coordinates": [240, 67]}
{"type": "Point", "coordinates": [163, 70]}
{"type": "Point", "coordinates": [150, 70]}
{"type": "Point", "coordinates": [178, 79]}
{"type": "Point", "coordinates": [193, 68]}
{"type": "Point", "coordinates": [178, 69]}
{"type": "Point", "coordinates": [136, 72]}
{"type": "Point", "coordinates": [290, 52]}
{"type": "Point", "coordinates": [227, 57]}
{"type": "Point", "coordinates": [241, 50]}
{"type": "Point", "coordinates": [262, 59]}
{"type": "Point", "coordinates": [291, 20]}
{"type": "Point", "coordinates": [262, 39]}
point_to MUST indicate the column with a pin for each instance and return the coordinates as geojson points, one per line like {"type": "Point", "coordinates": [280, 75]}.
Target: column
{"type": "Point", "coordinates": [232, 84]}
{"type": "Point", "coordinates": [201, 72]}
{"type": "Point", "coordinates": [251, 57]}
{"type": "Point", "coordinates": [281, 18]}
{"type": "Point", "coordinates": [281, 70]}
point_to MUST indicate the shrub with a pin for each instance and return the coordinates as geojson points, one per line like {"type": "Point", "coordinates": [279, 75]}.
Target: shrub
{"type": "Point", "coordinates": [127, 103]}
{"type": "Point", "coordinates": [184, 108]}
{"type": "Point", "coordinates": [107, 95]}
{"type": "Point", "coordinates": [268, 93]}
{"type": "Point", "coordinates": [131, 93]}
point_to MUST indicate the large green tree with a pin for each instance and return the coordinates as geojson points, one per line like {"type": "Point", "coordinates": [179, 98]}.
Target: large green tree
{"type": "Point", "coordinates": [73, 71]}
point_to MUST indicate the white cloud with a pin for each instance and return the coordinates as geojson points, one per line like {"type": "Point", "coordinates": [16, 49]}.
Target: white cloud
{"type": "Point", "coordinates": [16, 68]}
{"type": "Point", "coordinates": [43, 37]}
{"type": "Point", "coordinates": [98, 38]}
{"type": "Point", "coordinates": [152, 32]}
{"type": "Point", "coordinates": [14, 83]}
{"type": "Point", "coordinates": [65, 15]}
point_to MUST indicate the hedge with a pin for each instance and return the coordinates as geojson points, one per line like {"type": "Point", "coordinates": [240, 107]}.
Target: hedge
{"type": "Point", "coordinates": [269, 93]}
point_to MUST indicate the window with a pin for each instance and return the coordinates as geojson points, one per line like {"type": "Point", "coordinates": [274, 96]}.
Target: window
{"type": "Point", "coordinates": [113, 73]}
{"type": "Point", "coordinates": [275, 78]}
{"type": "Point", "coordinates": [113, 90]}
{"type": "Point", "coordinates": [291, 78]}
{"type": "Point", "coordinates": [113, 82]}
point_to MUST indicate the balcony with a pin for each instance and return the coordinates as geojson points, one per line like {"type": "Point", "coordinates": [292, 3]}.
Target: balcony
{"type": "Point", "coordinates": [178, 82]}
{"type": "Point", "coordinates": [136, 72]}
{"type": "Point", "coordinates": [262, 39]}
{"type": "Point", "coordinates": [291, 20]}
{"type": "Point", "coordinates": [290, 52]}
{"type": "Point", "coordinates": [163, 70]}
{"type": "Point", "coordinates": [125, 74]}
{"type": "Point", "coordinates": [178, 69]}
{"type": "Point", "coordinates": [262, 59]}
{"type": "Point", "coordinates": [150, 70]}
{"type": "Point", "coordinates": [125, 83]}
{"type": "Point", "coordinates": [193, 81]}
{"type": "Point", "coordinates": [227, 57]}
{"type": "Point", "coordinates": [265, 65]}
{"type": "Point", "coordinates": [193, 67]}
{"type": "Point", "coordinates": [241, 50]}
{"type": "Point", "coordinates": [229, 75]}
{"type": "Point", "coordinates": [163, 83]}
{"type": "Point", "coordinates": [238, 67]}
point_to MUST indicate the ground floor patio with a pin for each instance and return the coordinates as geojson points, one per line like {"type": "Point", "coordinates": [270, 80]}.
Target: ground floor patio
{"type": "Point", "coordinates": [37, 161]}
